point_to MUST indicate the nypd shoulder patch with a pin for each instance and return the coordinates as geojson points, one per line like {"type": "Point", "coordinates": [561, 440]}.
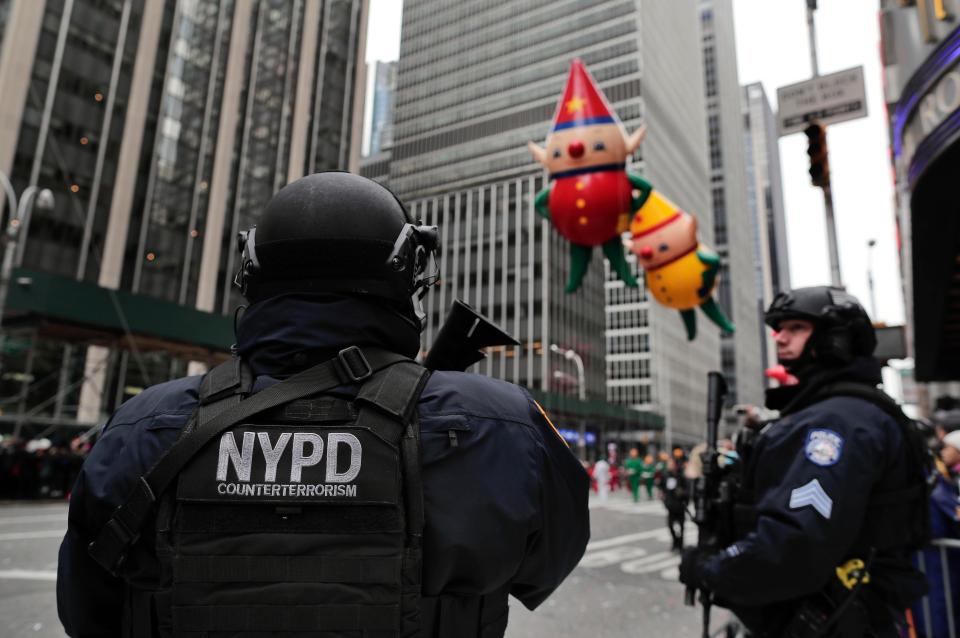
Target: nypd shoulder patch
{"type": "Point", "coordinates": [823, 447]}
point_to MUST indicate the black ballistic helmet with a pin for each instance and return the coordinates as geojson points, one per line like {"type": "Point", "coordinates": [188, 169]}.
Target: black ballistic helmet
{"type": "Point", "coordinates": [335, 232]}
{"type": "Point", "coordinates": [841, 327]}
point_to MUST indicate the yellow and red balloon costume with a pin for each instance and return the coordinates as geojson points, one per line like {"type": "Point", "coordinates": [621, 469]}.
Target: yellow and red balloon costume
{"type": "Point", "coordinates": [681, 272]}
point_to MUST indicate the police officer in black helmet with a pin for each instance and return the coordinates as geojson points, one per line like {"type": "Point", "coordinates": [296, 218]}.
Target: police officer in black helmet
{"type": "Point", "coordinates": [321, 483]}
{"type": "Point", "coordinates": [833, 491]}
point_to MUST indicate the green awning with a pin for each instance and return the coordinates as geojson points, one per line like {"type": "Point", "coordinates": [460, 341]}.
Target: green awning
{"type": "Point", "coordinates": [102, 314]}
{"type": "Point", "coordinates": [571, 407]}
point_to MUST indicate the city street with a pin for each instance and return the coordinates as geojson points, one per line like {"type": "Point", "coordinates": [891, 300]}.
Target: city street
{"type": "Point", "coordinates": [625, 584]}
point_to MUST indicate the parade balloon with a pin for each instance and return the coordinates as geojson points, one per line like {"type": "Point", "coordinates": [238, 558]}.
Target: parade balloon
{"type": "Point", "coordinates": [591, 196]}
{"type": "Point", "coordinates": [681, 272]}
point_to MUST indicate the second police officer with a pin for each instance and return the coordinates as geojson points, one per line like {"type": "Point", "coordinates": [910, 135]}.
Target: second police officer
{"type": "Point", "coordinates": [320, 482]}
{"type": "Point", "coordinates": [835, 485]}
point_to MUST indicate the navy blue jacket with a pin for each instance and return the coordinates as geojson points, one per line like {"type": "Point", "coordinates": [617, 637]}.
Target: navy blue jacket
{"type": "Point", "coordinates": [811, 475]}
{"type": "Point", "coordinates": [506, 505]}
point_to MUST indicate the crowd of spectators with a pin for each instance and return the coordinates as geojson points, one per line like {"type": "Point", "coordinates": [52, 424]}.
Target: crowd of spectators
{"type": "Point", "coordinates": [40, 468]}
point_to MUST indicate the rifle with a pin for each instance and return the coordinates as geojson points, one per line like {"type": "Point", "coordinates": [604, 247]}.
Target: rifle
{"type": "Point", "coordinates": [710, 494]}
{"type": "Point", "coordinates": [462, 337]}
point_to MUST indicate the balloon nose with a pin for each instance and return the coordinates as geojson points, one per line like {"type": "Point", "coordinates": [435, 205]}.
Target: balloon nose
{"type": "Point", "coordinates": [646, 252]}
{"type": "Point", "coordinates": [575, 149]}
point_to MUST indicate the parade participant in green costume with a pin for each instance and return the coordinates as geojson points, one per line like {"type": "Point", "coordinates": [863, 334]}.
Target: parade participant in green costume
{"type": "Point", "coordinates": [634, 467]}
{"type": "Point", "coordinates": [648, 473]}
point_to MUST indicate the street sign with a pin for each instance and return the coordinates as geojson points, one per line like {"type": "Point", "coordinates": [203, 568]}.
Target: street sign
{"type": "Point", "coordinates": [829, 99]}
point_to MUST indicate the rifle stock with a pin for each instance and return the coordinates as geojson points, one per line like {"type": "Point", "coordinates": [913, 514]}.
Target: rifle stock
{"type": "Point", "coordinates": [462, 337]}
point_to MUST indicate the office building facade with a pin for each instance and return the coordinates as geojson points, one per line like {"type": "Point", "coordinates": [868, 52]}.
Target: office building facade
{"type": "Point", "coordinates": [765, 200]}
{"type": "Point", "coordinates": [735, 229]}
{"type": "Point", "coordinates": [476, 82]}
{"type": "Point", "coordinates": [162, 128]}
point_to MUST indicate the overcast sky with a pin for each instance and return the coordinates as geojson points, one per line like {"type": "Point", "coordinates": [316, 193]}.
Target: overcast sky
{"type": "Point", "coordinates": [772, 48]}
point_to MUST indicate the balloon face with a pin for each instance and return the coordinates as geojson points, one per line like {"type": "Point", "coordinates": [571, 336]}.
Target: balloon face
{"type": "Point", "coordinates": [585, 146]}
{"type": "Point", "coordinates": [667, 243]}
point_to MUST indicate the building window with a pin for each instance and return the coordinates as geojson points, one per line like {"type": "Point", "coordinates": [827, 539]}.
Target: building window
{"type": "Point", "coordinates": [710, 70]}
{"type": "Point", "coordinates": [719, 216]}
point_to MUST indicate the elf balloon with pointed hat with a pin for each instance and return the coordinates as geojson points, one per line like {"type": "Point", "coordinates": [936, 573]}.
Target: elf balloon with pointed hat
{"type": "Point", "coordinates": [592, 200]}
{"type": "Point", "coordinates": [591, 196]}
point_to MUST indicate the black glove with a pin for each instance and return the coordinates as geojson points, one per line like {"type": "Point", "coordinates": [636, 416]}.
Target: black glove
{"type": "Point", "coordinates": [692, 565]}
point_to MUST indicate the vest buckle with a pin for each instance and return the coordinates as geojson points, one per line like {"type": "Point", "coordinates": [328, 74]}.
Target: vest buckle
{"type": "Point", "coordinates": [353, 365]}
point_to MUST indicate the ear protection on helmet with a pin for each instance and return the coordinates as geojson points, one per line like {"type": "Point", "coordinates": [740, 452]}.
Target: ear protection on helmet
{"type": "Point", "coordinates": [413, 259]}
{"type": "Point", "coordinates": [414, 255]}
{"type": "Point", "coordinates": [249, 265]}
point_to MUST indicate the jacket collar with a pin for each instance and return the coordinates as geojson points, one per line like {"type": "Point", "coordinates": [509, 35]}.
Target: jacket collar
{"type": "Point", "coordinates": [791, 398]}
{"type": "Point", "coordinates": [283, 335]}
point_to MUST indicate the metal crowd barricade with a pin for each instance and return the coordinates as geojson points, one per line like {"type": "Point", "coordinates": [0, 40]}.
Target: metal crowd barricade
{"type": "Point", "coordinates": [942, 545]}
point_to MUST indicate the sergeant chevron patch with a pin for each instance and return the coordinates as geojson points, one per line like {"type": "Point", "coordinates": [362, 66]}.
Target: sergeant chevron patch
{"type": "Point", "coordinates": [812, 494]}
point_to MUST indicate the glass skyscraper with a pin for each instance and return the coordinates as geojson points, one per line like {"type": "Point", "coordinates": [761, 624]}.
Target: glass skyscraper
{"type": "Point", "coordinates": [162, 128]}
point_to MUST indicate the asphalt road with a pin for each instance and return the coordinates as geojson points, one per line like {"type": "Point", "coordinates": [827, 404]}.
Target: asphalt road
{"type": "Point", "coordinates": [625, 586]}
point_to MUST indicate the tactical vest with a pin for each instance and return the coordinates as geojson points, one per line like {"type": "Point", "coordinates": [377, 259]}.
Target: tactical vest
{"type": "Point", "coordinates": [900, 518]}
{"type": "Point", "coordinates": [288, 512]}
{"type": "Point", "coordinates": [896, 519]}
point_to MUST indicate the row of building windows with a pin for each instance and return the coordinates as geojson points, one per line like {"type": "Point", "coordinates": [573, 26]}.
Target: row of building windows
{"type": "Point", "coordinates": [501, 28]}
{"type": "Point", "coordinates": [710, 71]}
{"type": "Point", "coordinates": [547, 39]}
{"type": "Point", "coordinates": [633, 342]}
{"type": "Point", "coordinates": [635, 395]}
{"type": "Point", "coordinates": [719, 207]}
{"type": "Point", "coordinates": [610, 62]}
{"type": "Point", "coordinates": [627, 316]}
{"type": "Point", "coordinates": [421, 16]}
{"type": "Point", "coordinates": [713, 131]}
{"type": "Point", "coordinates": [561, 49]}
{"type": "Point", "coordinates": [629, 369]}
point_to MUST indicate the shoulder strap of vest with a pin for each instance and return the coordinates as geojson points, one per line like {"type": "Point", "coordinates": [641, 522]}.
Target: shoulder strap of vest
{"type": "Point", "coordinates": [866, 392]}
{"type": "Point", "coordinates": [388, 406]}
{"type": "Point", "coordinates": [222, 386]}
{"type": "Point", "coordinates": [123, 529]}
{"type": "Point", "coordinates": [919, 490]}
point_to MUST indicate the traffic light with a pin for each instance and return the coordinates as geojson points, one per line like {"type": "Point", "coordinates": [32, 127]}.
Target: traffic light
{"type": "Point", "coordinates": [817, 150]}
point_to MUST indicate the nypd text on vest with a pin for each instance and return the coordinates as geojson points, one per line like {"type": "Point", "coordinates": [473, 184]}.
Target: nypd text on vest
{"type": "Point", "coordinates": [305, 450]}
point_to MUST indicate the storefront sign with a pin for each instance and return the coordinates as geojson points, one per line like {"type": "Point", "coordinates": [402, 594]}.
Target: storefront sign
{"type": "Point", "coordinates": [939, 102]}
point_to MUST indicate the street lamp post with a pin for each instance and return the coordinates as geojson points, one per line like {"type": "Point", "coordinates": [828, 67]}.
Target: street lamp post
{"type": "Point", "coordinates": [19, 217]}
{"type": "Point", "coordinates": [571, 355]}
